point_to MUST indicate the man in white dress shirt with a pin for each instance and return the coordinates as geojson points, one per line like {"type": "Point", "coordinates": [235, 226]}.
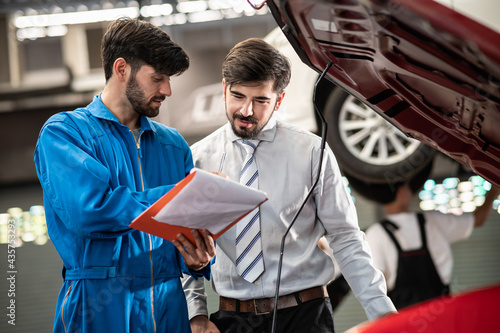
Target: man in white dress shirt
{"type": "Point", "coordinates": [255, 75]}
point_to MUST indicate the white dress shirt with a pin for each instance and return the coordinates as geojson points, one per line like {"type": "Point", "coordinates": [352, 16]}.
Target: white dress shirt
{"type": "Point", "coordinates": [441, 231]}
{"type": "Point", "coordinates": [287, 159]}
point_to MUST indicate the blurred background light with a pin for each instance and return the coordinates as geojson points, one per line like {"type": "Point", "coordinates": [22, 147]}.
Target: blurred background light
{"type": "Point", "coordinates": [429, 185]}
{"type": "Point", "coordinates": [157, 10]}
{"type": "Point", "coordinates": [68, 18]}
{"type": "Point", "coordinates": [465, 186]}
{"type": "Point", "coordinates": [30, 226]}
{"type": "Point", "coordinates": [33, 24]}
{"type": "Point", "coordinates": [450, 183]}
{"type": "Point", "coordinates": [192, 6]}
{"type": "Point", "coordinates": [455, 196]}
{"type": "Point", "coordinates": [205, 16]}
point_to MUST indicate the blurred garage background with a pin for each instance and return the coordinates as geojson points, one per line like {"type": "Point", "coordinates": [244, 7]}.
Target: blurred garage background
{"type": "Point", "coordinates": [49, 62]}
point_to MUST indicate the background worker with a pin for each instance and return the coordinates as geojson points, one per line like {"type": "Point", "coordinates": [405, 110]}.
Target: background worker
{"type": "Point", "coordinates": [413, 250]}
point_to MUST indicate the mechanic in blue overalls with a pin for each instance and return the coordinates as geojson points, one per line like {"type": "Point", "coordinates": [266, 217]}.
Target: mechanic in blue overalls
{"type": "Point", "coordinates": [100, 167]}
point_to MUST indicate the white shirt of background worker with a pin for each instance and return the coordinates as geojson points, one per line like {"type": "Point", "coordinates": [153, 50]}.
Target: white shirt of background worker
{"type": "Point", "coordinates": [441, 230]}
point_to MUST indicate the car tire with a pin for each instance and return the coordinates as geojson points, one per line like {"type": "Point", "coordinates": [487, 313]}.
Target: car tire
{"type": "Point", "coordinates": [368, 146]}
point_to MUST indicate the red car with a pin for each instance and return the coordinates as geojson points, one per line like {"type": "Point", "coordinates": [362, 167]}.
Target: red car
{"type": "Point", "coordinates": [428, 70]}
{"type": "Point", "coordinates": [431, 72]}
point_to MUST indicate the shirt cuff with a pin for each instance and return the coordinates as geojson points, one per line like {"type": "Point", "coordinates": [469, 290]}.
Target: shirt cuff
{"type": "Point", "coordinates": [379, 307]}
{"type": "Point", "coordinates": [197, 306]}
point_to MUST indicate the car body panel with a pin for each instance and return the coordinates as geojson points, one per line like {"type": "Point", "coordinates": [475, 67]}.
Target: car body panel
{"type": "Point", "coordinates": [471, 311]}
{"type": "Point", "coordinates": [427, 69]}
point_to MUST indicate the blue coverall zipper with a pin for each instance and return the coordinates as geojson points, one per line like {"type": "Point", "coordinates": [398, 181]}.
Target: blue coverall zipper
{"type": "Point", "coordinates": [139, 157]}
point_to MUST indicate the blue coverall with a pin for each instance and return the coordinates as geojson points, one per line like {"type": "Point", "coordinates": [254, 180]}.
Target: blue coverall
{"type": "Point", "coordinates": [95, 181]}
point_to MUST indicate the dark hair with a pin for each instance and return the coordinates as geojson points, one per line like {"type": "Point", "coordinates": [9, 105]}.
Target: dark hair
{"type": "Point", "coordinates": [385, 193]}
{"type": "Point", "coordinates": [256, 61]}
{"type": "Point", "coordinates": [141, 43]}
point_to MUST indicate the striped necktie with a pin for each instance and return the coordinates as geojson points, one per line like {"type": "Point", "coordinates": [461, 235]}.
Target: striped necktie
{"type": "Point", "coordinates": [249, 260]}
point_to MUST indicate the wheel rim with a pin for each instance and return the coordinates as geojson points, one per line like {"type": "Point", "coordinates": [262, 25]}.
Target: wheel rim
{"type": "Point", "coordinates": [370, 138]}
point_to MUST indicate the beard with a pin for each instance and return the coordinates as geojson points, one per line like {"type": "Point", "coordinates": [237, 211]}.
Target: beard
{"type": "Point", "coordinates": [136, 97]}
{"type": "Point", "coordinates": [243, 132]}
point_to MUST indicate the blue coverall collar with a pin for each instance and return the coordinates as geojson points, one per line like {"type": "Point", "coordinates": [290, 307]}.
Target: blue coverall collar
{"type": "Point", "coordinates": [99, 110]}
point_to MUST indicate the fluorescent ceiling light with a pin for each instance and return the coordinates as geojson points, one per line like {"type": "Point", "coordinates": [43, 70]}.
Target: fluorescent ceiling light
{"type": "Point", "coordinates": [219, 4]}
{"type": "Point", "coordinates": [31, 33]}
{"type": "Point", "coordinates": [192, 6]}
{"type": "Point", "coordinates": [75, 17]}
{"type": "Point", "coordinates": [242, 6]}
{"type": "Point", "coordinates": [57, 30]}
{"type": "Point", "coordinates": [206, 16]}
{"type": "Point", "coordinates": [157, 10]}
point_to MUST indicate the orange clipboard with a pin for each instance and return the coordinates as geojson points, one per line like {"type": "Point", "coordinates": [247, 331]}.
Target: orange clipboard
{"type": "Point", "coordinates": [147, 223]}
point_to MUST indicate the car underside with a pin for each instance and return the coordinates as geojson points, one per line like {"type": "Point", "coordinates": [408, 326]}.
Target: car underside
{"type": "Point", "coordinates": [435, 79]}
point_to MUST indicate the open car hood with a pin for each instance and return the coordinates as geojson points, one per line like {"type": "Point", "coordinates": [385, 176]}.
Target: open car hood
{"type": "Point", "coordinates": [430, 71]}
